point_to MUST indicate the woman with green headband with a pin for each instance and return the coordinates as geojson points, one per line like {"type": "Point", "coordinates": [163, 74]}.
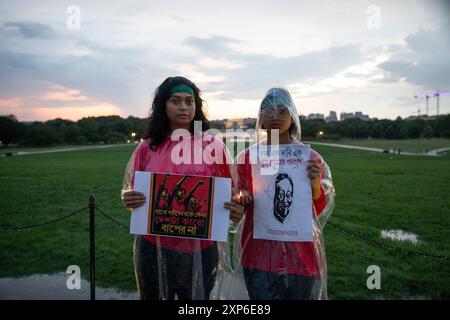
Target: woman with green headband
{"type": "Point", "coordinates": [169, 266]}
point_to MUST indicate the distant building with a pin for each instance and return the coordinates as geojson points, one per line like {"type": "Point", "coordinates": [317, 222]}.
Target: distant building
{"type": "Point", "coordinates": [356, 115]}
{"type": "Point", "coordinates": [332, 117]}
{"type": "Point", "coordinates": [245, 123]}
{"type": "Point", "coordinates": [249, 123]}
{"type": "Point", "coordinates": [363, 117]}
{"type": "Point", "coordinates": [345, 116]}
{"type": "Point", "coordinates": [232, 123]}
{"type": "Point", "coordinates": [315, 116]}
{"type": "Point", "coordinates": [217, 124]}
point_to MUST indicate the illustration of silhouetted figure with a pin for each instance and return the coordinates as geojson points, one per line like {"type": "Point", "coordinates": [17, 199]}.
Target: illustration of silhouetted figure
{"type": "Point", "coordinates": [190, 201]}
{"type": "Point", "coordinates": [197, 206]}
{"type": "Point", "coordinates": [163, 195]}
{"type": "Point", "coordinates": [177, 193]}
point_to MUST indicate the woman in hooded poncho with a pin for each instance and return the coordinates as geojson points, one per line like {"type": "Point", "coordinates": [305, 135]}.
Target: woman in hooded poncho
{"type": "Point", "coordinates": [284, 269]}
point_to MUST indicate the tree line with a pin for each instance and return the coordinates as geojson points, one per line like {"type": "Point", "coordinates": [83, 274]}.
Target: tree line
{"type": "Point", "coordinates": [115, 129]}
{"type": "Point", "coordinates": [90, 130]}
{"type": "Point", "coordinates": [377, 129]}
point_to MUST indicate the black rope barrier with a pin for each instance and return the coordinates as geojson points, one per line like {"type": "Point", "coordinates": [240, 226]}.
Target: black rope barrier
{"type": "Point", "coordinates": [112, 219]}
{"type": "Point", "coordinates": [336, 226]}
{"type": "Point", "coordinates": [385, 246]}
{"type": "Point", "coordinates": [39, 225]}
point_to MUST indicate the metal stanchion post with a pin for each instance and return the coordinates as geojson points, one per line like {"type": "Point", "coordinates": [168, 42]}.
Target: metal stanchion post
{"type": "Point", "coordinates": [92, 244]}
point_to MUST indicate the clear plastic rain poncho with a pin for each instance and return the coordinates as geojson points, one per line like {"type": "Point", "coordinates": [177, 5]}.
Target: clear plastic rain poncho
{"type": "Point", "coordinates": [269, 269]}
{"type": "Point", "coordinates": [174, 267]}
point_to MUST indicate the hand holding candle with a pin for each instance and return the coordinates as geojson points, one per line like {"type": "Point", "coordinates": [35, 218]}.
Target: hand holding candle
{"type": "Point", "coordinates": [242, 197]}
{"type": "Point", "coordinates": [237, 205]}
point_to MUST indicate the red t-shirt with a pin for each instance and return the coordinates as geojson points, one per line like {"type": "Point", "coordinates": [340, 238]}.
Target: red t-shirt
{"type": "Point", "coordinates": [160, 161]}
{"type": "Point", "coordinates": [277, 256]}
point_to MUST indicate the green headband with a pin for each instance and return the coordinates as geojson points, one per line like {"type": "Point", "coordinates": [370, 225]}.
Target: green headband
{"type": "Point", "coordinates": [182, 88]}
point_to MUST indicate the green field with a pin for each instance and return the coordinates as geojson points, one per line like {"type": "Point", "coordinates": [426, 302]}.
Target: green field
{"type": "Point", "coordinates": [374, 192]}
{"type": "Point", "coordinates": [407, 145]}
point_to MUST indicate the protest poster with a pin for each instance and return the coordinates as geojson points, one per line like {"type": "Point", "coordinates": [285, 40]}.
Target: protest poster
{"type": "Point", "coordinates": [184, 206]}
{"type": "Point", "coordinates": [281, 192]}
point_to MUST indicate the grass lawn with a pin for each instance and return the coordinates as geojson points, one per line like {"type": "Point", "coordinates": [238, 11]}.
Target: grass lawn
{"type": "Point", "coordinates": [408, 145]}
{"type": "Point", "coordinates": [374, 192]}
{"type": "Point", "coordinates": [41, 187]}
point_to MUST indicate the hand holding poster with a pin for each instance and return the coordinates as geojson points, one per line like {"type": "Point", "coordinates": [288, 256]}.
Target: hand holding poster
{"type": "Point", "coordinates": [182, 206]}
{"type": "Point", "coordinates": [282, 199]}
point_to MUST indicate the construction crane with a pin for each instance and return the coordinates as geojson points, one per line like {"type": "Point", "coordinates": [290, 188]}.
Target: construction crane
{"type": "Point", "coordinates": [429, 94]}
{"type": "Point", "coordinates": [439, 93]}
{"type": "Point", "coordinates": [417, 113]}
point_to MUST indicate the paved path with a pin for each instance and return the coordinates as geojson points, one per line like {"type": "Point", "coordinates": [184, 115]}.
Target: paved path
{"type": "Point", "coordinates": [25, 153]}
{"type": "Point", "coordinates": [437, 151]}
{"type": "Point", "coordinates": [345, 146]}
{"type": "Point", "coordinates": [54, 287]}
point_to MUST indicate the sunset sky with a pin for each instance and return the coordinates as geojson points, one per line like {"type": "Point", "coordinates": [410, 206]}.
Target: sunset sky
{"type": "Point", "coordinates": [369, 56]}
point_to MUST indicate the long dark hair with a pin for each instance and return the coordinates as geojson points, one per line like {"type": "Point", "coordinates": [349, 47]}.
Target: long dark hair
{"type": "Point", "coordinates": [157, 126]}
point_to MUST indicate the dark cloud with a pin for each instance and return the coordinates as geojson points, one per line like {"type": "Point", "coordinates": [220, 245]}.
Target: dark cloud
{"type": "Point", "coordinates": [126, 83]}
{"type": "Point", "coordinates": [259, 71]}
{"type": "Point", "coordinates": [105, 71]}
{"type": "Point", "coordinates": [425, 60]}
{"type": "Point", "coordinates": [215, 46]}
{"type": "Point", "coordinates": [30, 30]}
{"type": "Point", "coordinates": [14, 60]}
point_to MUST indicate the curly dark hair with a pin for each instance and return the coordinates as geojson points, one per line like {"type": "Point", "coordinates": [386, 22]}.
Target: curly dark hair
{"type": "Point", "coordinates": [157, 126]}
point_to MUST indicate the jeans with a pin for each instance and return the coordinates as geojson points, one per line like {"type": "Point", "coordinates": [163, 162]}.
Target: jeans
{"type": "Point", "coordinates": [179, 272]}
{"type": "Point", "coordinates": [262, 285]}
